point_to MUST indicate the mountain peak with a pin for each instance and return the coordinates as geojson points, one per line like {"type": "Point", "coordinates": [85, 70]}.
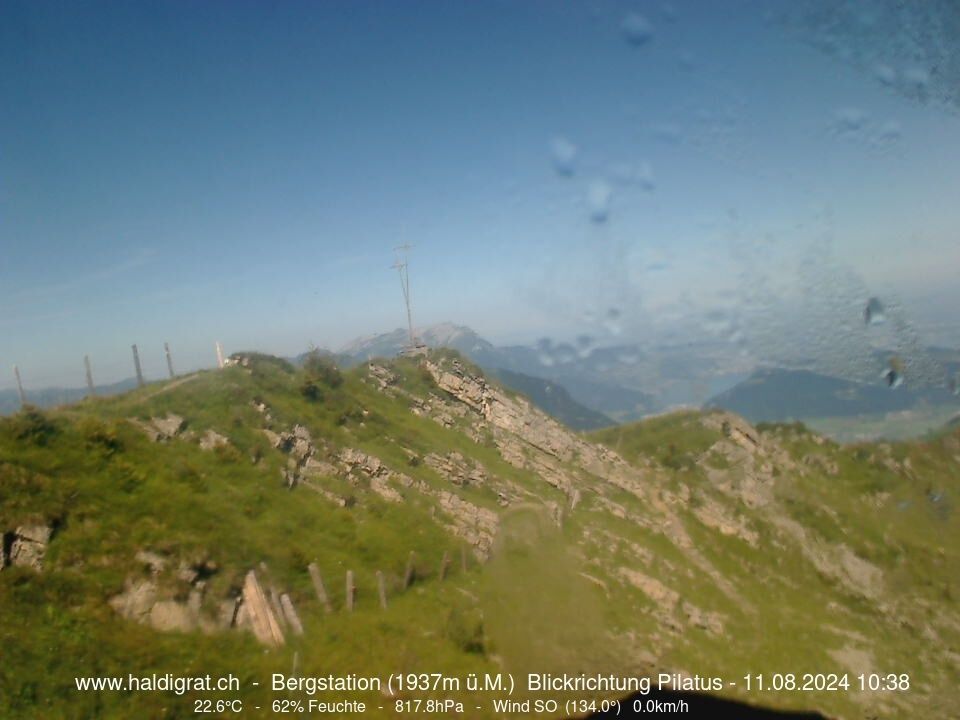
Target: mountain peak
{"type": "Point", "coordinates": [445, 334]}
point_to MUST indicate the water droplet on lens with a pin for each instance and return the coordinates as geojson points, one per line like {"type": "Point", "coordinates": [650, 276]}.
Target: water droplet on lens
{"type": "Point", "coordinates": [889, 132]}
{"type": "Point", "coordinates": [564, 155]}
{"type": "Point", "coordinates": [849, 120]}
{"type": "Point", "coordinates": [611, 322]}
{"type": "Point", "coordinates": [874, 313]}
{"type": "Point", "coordinates": [894, 375]}
{"type": "Point", "coordinates": [636, 29]}
{"type": "Point", "coordinates": [598, 200]}
{"type": "Point", "coordinates": [916, 79]}
{"type": "Point", "coordinates": [885, 74]}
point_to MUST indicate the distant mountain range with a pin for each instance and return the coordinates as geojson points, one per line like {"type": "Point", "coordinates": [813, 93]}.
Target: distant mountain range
{"type": "Point", "coordinates": [51, 397]}
{"type": "Point", "coordinates": [597, 383]}
{"type": "Point", "coordinates": [586, 386]}
{"type": "Point", "coordinates": [778, 394]}
{"type": "Point", "coordinates": [554, 400]}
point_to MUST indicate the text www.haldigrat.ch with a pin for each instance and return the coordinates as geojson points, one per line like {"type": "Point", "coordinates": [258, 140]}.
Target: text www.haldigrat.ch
{"type": "Point", "coordinates": [167, 682]}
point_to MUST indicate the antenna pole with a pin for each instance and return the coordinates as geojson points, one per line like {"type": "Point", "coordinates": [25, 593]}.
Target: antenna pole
{"type": "Point", "coordinates": [23, 395]}
{"type": "Point", "coordinates": [90, 387]}
{"type": "Point", "coordinates": [402, 268]}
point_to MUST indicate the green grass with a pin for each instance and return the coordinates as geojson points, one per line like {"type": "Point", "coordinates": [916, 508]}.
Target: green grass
{"type": "Point", "coordinates": [675, 440]}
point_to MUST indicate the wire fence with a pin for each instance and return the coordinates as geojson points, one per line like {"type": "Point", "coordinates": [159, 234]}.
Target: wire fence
{"type": "Point", "coordinates": [43, 391]}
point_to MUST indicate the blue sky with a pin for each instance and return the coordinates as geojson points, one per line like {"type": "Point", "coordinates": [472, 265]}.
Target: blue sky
{"type": "Point", "coordinates": [188, 172]}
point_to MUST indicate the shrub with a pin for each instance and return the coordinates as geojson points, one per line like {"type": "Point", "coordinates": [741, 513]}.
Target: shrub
{"type": "Point", "coordinates": [31, 425]}
{"type": "Point", "coordinates": [465, 630]}
{"type": "Point", "coordinates": [321, 370]}
{"type": "Point", "coordinates": [311, 391]}
{"type": "Point", "coordinates": [98, 435]}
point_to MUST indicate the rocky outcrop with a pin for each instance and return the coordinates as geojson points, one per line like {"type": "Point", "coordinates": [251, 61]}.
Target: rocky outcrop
{"type": "Point", "coordinates": [530, 439]}
{"type": "Point", "coordinates": [161, 429]}
{"type": "Point", "coordinates": [298, 444]}
{"type": "Point", "coordinates": [211, 440]}
{"type": "Point", "coordinates": [26, 546]}
{"type": "Point", "coordinates": [477, 525]}
{"type": "Point", "coordinates": [734, 427]}
{"type": "Point", "coordinates": [170, 599]}
{"type": "Point", "coordinates": [457, 469]}
{"type": "Point", "coordinates": [383, 377]}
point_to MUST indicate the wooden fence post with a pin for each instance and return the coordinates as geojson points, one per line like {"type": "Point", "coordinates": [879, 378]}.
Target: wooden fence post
{"type": "Point", "coordinates": [351, 591]}
{"type": "Point", "coordinates": [408, 576]}
{"type": "Point", "coordinates": [382, 589]}
{"type": "Point", "coordinates": [463, 558]}
{"type": "Point", "coordinates": [136, 365]}
{"type": "Point", "coordinates": [319, 587]}
{"type": "Point", "coordinates": [290, 613]}
{"type": "Point", "coordinates": [444, 565]}
{"type": "Point", "coordinates": [166, 350]}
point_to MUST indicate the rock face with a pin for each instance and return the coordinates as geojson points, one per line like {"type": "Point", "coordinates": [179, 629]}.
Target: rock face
{"type": "Point", "coordinates": [457, 469]}
{"type": "Point", "coordinates": [26, 546]}
{"type": "Point", "coordinates": [212, 439]}
{"type": "Point", "coordinates": [151, 599]}
{"type": "Point", "coordinates": [529, 439]}
{"type": "Point", "coordinates": [161, 429]}
{"type": "Point", "coordinates": [298, 444]}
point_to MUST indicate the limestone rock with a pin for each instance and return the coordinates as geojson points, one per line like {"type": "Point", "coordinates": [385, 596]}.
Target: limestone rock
{"type": "Point", "coordinates": [170, 615]}
{"type": "Point", "coordinates": [382, 376]}
{"type": "Point", "coordinates": [154, 562]}
{"type": "Point", "coordinates": [137, 599]}
{"type": "Point", "coordinates": [477, 525]}
{"type": "Point", "coordinates": [212, 439]}
{"type": "Point", "coordinates": [161, 429]}
{"type": "Point", "coordinates": [29, 545]}
{"type": "Point", "coordinates": [456, 468]}
{"type": "Point", "coordinates": [169, 426]}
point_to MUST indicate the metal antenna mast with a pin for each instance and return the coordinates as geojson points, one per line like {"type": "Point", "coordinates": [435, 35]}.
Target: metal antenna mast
{"type": "Point", "coordinates": [401, 266]}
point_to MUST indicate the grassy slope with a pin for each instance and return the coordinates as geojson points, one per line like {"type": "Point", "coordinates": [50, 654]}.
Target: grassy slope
{"type": "Point", "coordinates": [792, 616]}
{"type": "Point", "coordinates": [114, 492]}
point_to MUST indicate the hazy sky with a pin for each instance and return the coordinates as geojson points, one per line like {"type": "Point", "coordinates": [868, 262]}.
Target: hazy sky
{"type": "Point", "coordinates": [195, 171]}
